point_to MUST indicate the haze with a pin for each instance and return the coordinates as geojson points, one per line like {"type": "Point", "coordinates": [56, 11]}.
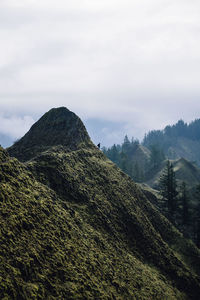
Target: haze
{"type": "Point", "coordinates": [122, 66]}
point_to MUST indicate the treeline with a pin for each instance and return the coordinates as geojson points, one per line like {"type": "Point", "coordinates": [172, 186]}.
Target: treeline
{"type": "Point", "coordinates": [166, 137]}
{"type": "Point", "coordinates": [131, 159]}
{"type": "Point", "coordinates": [179, 205]}
{"type": "Point", "coordinates": [122, 155]}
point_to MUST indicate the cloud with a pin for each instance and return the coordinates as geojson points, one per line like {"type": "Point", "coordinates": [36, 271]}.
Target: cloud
{"type": "Point", "coordinates": [14, 126]}
{"type": "Point", "coordinates": [132, 62]}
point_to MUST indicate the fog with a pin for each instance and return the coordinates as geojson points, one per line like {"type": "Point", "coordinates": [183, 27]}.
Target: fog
{"type": "Point", "coordinates": [127, 66]}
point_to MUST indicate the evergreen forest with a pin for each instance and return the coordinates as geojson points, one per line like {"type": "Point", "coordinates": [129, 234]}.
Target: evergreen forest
{"type": "Point", "coordinates": [155, 158]}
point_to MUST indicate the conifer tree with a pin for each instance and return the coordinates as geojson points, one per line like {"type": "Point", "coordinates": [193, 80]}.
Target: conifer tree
{"type": "Point", "coordinates": [197, 217]}
{"type": "Point", "coordinates": [123, 162]}
{"type": "Point", "coordinates": [168, 189]}
{"type": "Point", "coordinates": [114, 154]}
{"type": "Point", "coordinates": [185, 204]}
{"type": "Point", "coordinates": [136, 172]}
{"type": "Point", "coordinates": [126, 146]}
{"type": "Point", "coordinates": [156, 156]}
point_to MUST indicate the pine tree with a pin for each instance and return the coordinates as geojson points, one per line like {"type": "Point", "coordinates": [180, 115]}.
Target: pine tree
{"type": "Point", "coordinates": [114, 154]}
{"type": "Point", "coordinates": [198, 225]}
{"type": "Point", "coordinates": [126, 146]}
{"type": "Point", "coordinates": [185, 204]}
{"type": "Point", "coordinates": [168, 189]}
{"type": "Point", "coordinates": [156, 156]}
{"type": "Point", "coordinates": [136, 172]}
{"type": "Point", "coordinates": [197, 217]}
{"type": "Point", "coordinates": [123, 164]}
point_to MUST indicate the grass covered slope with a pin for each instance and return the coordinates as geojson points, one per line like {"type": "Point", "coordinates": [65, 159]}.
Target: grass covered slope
{"type": "Point", "coordinates": [89, 241]}
{"type": "Point", "coordinates": [73, 226]}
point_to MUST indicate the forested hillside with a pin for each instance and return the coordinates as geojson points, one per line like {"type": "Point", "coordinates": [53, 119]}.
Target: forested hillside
{"type": "Point", "coordinates": [135, 159]}
{"type": "Point", "coordinates": [146, 163]}
{"type": "Point", "coordinates": [179, 140]}
{"type": "Point", "coordinates": [143, 162]}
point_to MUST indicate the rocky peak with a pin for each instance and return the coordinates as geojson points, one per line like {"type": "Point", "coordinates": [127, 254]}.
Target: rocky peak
{"type": "Point", "coordinates": [59, 126]}
{"type": "Point", "coordinates": [3, 155]}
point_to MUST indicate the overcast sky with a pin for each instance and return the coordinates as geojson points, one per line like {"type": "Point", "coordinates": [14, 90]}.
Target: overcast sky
{"type": "Point", "coordinates": [123, 66]}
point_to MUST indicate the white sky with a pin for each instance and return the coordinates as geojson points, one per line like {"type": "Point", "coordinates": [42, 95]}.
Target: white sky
{"type": "Point", "coordinates": [135, 63]}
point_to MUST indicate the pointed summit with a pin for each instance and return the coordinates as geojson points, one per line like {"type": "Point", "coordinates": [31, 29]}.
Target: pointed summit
{"type": "Point", "coordinates": [59, 126]}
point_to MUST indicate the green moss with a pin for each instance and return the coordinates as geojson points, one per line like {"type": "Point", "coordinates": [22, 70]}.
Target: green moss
{"type": "Point", "coordinates": [73, 226]}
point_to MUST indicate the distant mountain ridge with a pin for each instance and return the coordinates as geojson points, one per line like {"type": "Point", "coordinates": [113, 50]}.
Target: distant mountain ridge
{"type": "Point", "coordinates": [144, 161]}
{"type": "Point", "coordinates": [179, 140]}
{"type": "Point", "coordinates": [184, 171]}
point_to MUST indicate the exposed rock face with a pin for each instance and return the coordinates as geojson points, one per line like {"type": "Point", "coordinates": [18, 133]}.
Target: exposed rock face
{"type": "Point", "coordinates": [59, 126]}
{"type": "Point", "coordinates": [74, 226]}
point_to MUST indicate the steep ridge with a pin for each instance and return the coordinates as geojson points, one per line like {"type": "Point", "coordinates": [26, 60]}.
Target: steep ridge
{"type": "Point", "coordinates": [59, 126]}
{"type": "Point", "coordinates": [76, 227]}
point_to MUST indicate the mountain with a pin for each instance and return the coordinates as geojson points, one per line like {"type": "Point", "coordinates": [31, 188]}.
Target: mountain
{"type": "Point", "coordinates": [185, 147]}
{"type": "Point", "coordinates": [187, 171]}
{"type": "Point", "coordinates": [184, 171]}
{"type": "Point", "coordinates": [74, 226]}
{"type": "Point", "coordinates": [145, 162]}
{"type": "Point", "coordinates": [57, 127]}
{"type": "Point", "coordinates": [179, 140]}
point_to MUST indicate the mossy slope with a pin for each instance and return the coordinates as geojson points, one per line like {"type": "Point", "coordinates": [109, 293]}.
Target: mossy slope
{"type": "Point", "coordinates": [73, 226]}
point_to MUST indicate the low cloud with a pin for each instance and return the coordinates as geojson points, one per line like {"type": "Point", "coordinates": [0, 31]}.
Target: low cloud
{"type": "Point", "coordinates": [130, 62]}
{"type": "Point", "coordinates": [14, 126]}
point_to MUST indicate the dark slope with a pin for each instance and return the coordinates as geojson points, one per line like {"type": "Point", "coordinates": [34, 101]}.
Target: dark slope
{"type": "Point", "coordinates": [59, 126]}
{"type": "Point", "coordinates": [73, 226]}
